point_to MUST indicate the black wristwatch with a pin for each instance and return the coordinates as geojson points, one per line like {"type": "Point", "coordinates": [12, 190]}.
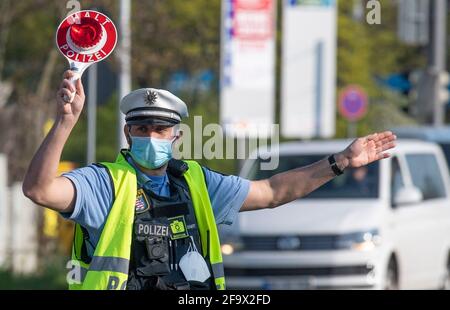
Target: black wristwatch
{"type": "Point", "coordinates": [337, 171]}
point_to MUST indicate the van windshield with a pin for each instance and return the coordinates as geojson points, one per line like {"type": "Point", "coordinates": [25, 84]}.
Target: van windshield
{"type": "Point", "coordinates": [354, 183]}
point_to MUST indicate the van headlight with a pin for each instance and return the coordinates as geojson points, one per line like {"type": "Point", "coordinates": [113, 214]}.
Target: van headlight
{"type": "Point", "coordinates": [230, 246]}
{"type": "Point", "coordinates": [359, 241]}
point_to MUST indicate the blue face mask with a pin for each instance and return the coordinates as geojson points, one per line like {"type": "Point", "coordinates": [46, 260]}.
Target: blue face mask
{"type": "Point", "coordinates": [149, 152]}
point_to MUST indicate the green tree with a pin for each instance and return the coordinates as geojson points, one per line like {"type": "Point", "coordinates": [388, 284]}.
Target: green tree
{"type": "Point", "coordinates": [367, 51]}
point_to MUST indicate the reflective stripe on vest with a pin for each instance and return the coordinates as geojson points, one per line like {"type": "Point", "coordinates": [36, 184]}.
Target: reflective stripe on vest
{"type": "Point", "coordinates": [217, 270]}
{"type": "Point", "coordinates": [110, 263]}
{"type": "Point", "coordinates": [102, 263]}
{"type": "Point", "coordinates": [98, 263]}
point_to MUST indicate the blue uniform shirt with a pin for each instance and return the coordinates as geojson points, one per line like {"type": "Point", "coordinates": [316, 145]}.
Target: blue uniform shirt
{"type": "Point", "coordinates": [94, 197]}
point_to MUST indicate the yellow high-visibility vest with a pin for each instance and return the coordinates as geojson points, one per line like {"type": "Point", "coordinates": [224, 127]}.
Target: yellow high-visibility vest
{"type": "Point", "coordinates": [109, 266]}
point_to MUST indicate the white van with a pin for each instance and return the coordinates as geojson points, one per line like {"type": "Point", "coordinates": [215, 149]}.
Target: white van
{"type": "Point", "coordinates": [384, 226]}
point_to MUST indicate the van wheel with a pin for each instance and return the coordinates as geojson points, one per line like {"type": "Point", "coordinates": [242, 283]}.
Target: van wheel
{"type": "Point", "coordinates": [391, 280]}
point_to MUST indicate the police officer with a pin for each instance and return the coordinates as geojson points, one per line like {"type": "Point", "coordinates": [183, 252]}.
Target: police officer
{"type": "Point", "coordinates": [148, 221]}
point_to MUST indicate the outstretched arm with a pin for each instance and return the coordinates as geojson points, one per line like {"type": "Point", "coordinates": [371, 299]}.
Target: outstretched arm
{"type": "Point", "coordinates": [41, 184]}
{"type": "Point", "coordinates": [293, 184]}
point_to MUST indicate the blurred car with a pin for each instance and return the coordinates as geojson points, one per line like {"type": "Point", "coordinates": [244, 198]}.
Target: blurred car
{"type": "Point", "coordinates": [439, 135]}
{"type": "Point", "coordinates": [384, 226]}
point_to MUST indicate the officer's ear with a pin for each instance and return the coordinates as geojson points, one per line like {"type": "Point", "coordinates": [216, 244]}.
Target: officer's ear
{"type": "Point", "coordinates": [177, 133]}
{"type": "Point", "coordinates": [126, 132]}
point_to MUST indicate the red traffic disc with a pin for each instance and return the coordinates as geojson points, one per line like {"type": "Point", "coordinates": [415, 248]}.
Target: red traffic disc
{"type": "Point", "coordinates": [86, 36]}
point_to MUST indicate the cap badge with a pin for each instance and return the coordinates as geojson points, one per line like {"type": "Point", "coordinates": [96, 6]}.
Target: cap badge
{"type": "Point", "coordinates": [150, 97]}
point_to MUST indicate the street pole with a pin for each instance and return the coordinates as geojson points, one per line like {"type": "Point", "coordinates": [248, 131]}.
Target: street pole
{"type": "Point", "coordinates": [91, 113]}
{"type": "Point", "coordinates": [125, 64]}
{"type": "Point", "coordinates": [351, 129]}
{"type": "Point", "coordinates": [437, 61]}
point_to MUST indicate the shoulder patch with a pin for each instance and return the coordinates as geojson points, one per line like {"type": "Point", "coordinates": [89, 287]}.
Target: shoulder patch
{"type": "Point", "coordinates": [142, 203]}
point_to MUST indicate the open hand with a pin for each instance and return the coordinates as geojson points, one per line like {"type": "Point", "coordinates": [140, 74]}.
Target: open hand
{"type": "Point", "coordinates": [368, 149]}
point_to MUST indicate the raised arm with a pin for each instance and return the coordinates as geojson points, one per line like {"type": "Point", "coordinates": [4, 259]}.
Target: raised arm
{"type": "Point", "coordinates": [293, 184]}
{"type": "Point", "coordinates": [41, 184]}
